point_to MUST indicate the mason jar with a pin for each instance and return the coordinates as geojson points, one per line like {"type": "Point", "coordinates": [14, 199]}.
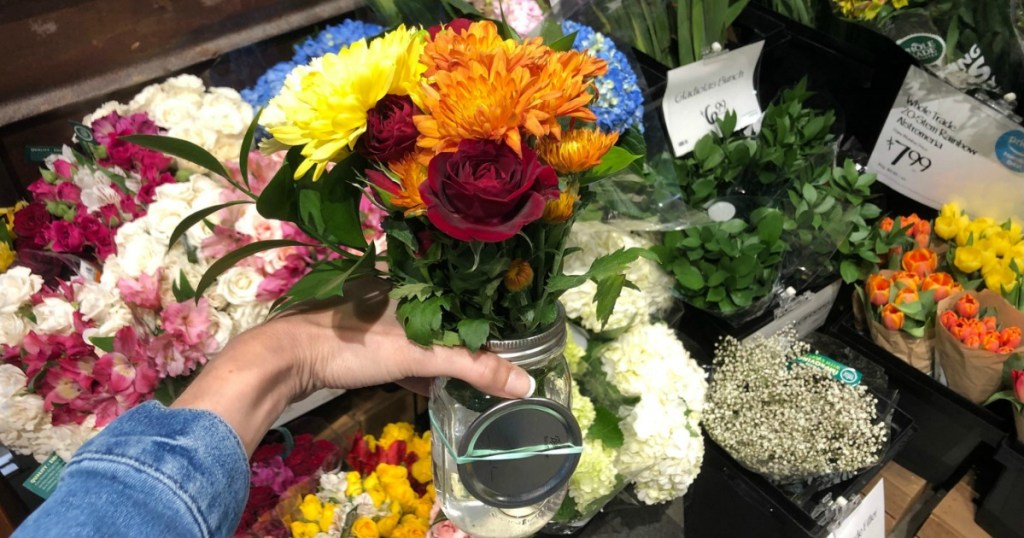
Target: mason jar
{"type": "Point", "coordinates": [502, 467]}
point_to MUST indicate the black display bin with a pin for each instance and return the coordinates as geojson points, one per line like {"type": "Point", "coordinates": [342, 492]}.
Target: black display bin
{"type": "Point", "coordinates": [953, 433]}
{"type": "Point", "coordinates": [1001, 508]}
{"type": "Point", "coordinates": [767, 510]}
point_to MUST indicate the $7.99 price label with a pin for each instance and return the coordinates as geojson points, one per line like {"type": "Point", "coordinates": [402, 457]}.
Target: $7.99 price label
{"type": "Point", "coordinates": [906, 156]}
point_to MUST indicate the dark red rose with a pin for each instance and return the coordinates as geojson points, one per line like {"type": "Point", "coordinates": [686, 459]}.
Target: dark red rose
{"type": "Point", "coordinates": [265, 452]}
{"type": "Point", "coordinates": [309, 456]}
{"type": "Point", "coordinates": [485, 192]}
{"type": "Point", "coordinates": [64, 236]}
{"type": "Point", "coordinates": [457, 26]}
{"type": "Point", "coordinates": [390, 132]}
{"type": "Point", "coordinates": [30, 222]}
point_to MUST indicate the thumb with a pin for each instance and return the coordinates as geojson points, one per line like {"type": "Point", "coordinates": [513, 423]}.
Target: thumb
{"type": "Point", "coordinates": [488, 373]}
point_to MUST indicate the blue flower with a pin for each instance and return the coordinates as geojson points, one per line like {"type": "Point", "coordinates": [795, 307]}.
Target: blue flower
{"type": "Point", "coordinates": [331, 39]}
{"type": "Point", "coordinates": [620, 103]}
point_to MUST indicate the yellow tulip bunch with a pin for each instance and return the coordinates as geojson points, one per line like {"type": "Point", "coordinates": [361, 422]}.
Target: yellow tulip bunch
{"type": "Point", "coordinates": [983, 247]}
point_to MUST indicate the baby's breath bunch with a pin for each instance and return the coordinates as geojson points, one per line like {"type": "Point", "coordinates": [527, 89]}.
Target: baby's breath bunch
{"type": "Point", "coordinates": [785, 420]}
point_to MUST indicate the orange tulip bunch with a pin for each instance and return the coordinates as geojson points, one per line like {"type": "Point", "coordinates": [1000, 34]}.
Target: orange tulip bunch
{"type": "Point", "coordinates": [976, 329]}
{"type": "Point", "coordinates": [905, 300]}
{"type": "Point", "coordinates": [916, 228]}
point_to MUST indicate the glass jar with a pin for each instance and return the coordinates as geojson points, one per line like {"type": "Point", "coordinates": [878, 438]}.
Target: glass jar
{"type": "Point", "coordinates": [502, 467]}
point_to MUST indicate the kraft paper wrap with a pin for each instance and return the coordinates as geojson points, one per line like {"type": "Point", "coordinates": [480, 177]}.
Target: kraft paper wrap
{"type": "Point", "coordinates": [975, 374]}
{"type": "Point", "coordinates": [917, 352]}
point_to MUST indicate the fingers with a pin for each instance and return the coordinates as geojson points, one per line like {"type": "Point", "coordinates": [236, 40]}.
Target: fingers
{"type": "Point", "coordinates": [485, 371]}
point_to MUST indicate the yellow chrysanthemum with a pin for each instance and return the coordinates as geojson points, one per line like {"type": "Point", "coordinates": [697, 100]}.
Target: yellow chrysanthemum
{"type": "Point", "coordinates": [518, 276]}
{"type": "Point", "coordinates": [6, 256]}
{"type": "Point", "coordinates": [579, 150]}
{"type": "Point", "coordinates": [324, 107]}
{"type": "Point", "coordinates": [560, 209]}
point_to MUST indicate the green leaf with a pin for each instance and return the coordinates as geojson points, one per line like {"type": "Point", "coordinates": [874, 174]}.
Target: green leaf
{"type": "Point", "coordinates": [733, 226]}
{"type": "Point", "coordinates": [603, 267]}
{"type": "Point", "coordinates": [182, 288]}
{"type": "Point", "coordinates": [104, 343]}
{"type": "Point", "coordinates": [849, 270]}
{"type": "Point", "coordinates": [608, 291]}
{"type": "Point", "coordinates": [614, 161]}
{"type": "Point", "coordinates": [474, 333]}
{"type": "Point", "coordinates": [606, 428]}
{"type": "Point", "coordinates": [421, 319]}
{"type": "Point", "coordinates": [279, 199]}
{"type": "Point", "coordinates": [769, 227]}
{"type": "Point", "coordinates": [420, 290]}
{"type": "Point", "coordinates": [563, 43]}
{"type": "Point", "coordinates": [310, 209]}
{"type": "Point", "coordinates": [183, 149]}
{"type": "Point", "coordinates": [243, 154]}
{"type": "Point", "coordinates": [197, 217]}
{"type": "Point", "coordinates": [230, 259]}
{"type": "Point", "coordinates": [688, 276]}
{"type": "Point", "coordinates": [810, 193]}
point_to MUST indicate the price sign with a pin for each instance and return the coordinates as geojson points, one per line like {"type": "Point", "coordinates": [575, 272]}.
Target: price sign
{"type": "Point", "coordinates": [699, 94]}
{"type": "Point", "coordinates": [939, 145]}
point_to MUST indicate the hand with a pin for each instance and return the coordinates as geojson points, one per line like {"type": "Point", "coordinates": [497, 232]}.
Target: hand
{"type": "Point", "coordinates": [356, 342]}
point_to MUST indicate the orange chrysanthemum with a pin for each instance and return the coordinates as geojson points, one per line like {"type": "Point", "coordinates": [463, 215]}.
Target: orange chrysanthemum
{"type": "Point", "coordinates": [481, 87]}
{"type": "Point", "coordinates": [578, 151]}
{"type": "Point", "coordinates": [560, 209]}
{"type": "Point", "coordinates": [411, 173]}
{"type": "Point", "coordinates": [518, 276]}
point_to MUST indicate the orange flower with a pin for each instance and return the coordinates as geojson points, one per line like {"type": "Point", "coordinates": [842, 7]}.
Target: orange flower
{"type": "Point", "coordinates": [518, 276]}
{"type": "Point", "coordinates": [878, 288]}
{"type": "Point", "coordinates": [579, 150]}
{"type": "Point", "coordinates": [885, 224]}
{"type": "Point", "coordinates": [482, 87]}
{"type": "Point", "coordinates": [921, 261]}
{"type": "Point", "coordinates": [906, 279]}
{"type": "Point", "coordinates": [559, 210]}
{"type": "Point", "coordinates": [990, 342]}
{"type": "Point", "coordinates": [967, 306]}
{"type": "Point", "coordinates": [942, 285]}
{"type": "Point", "coordinates": [892, 317]}
{"type": "Point", "coordinates": [1010, 337]}
{"type": "Point", "coordinates": [989, 322]}
{"type": "Point", "coordinates": [410, 173]}
{"type": "Point", "coordinates": [948, 319]}
{"type": "Point", "coordinates": [907, 295]}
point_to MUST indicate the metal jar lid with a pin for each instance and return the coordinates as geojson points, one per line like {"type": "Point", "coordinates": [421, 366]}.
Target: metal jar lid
{"type": "Point", "coordinates": [532, 447]}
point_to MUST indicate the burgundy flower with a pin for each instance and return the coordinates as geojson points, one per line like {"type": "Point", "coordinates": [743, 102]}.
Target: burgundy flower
{"type": "Point", "coordinates": [64, 236]}
{"type": "Point", "coordinates": [31, 220]}
{"type": "Point", "coordinates": [456, 25]}
{"type": "Point", "coordinates": [390, 132]}
{"type": "Point", "coordinates": [309, 456]}
{"type": "Point", "coordinates": [485, 192]}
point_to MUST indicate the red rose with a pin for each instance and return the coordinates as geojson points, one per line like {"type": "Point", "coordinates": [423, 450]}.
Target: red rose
{"type": "Point", "coordinates": [65, 237]}
{"type": "Point", "coordinates": [30, 222]}
{"type": "Point", "coordinates": [310, 456]}
{"type": "Point", "coordinates": [485, 192]}
{"type": "Point", "coordinates": [457, 26]}
{"type": "Point", "coordinates": [390, 132]}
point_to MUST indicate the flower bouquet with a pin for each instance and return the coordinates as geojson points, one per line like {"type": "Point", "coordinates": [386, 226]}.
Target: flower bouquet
{"type": "Point", "coordinates": [900, 307]}
{"type": "Point", "coordinates": [479, 147]}
{"type": "Point", "coordinates": [1013, 378]}
{"type": "Point", "coordinates": [978, 331]}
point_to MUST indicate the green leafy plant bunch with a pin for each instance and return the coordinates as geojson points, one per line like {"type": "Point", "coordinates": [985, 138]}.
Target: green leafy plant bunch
{"type": "Point", "coordinates": [477, 215]}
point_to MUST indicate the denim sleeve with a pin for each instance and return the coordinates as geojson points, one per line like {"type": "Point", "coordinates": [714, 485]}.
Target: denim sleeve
{"type": "Point", "coordinates": [152, 472]}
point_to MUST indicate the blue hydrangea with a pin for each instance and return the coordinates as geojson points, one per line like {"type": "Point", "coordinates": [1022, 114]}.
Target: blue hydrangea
{"type": "Point", "coordinates": [620, 103]}
{"type": "Point", "coordinates": [331, 39]}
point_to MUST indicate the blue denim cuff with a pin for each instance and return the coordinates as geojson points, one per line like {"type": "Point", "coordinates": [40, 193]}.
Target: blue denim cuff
{"type": "Point", "coordinates": [153, 471]}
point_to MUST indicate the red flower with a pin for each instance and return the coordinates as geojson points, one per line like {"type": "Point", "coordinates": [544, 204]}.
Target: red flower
{"type": "Point", "coordinates": [310, 456]}
{"type": "Point", "coordinates": [30, 222]}
{"type": "Point", "coordinates": [65, 237]}
{"type": "Point", "coordinates": [456, 25]}
{"type": "Point", "coordinates": [1017, 376]}
{"type": "Point", "coordinates": [485, 192]}
{"type": "Point", "coordinates": [390, 132]}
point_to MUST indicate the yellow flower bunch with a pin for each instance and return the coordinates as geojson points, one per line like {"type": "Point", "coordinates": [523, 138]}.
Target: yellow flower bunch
{"type": "Point", "coordinates": [995, 250]}
{"type": "Point", "coordinates": [316, 517]}
{"type": "Point", "coordinates": [6, 252]}
{"type": "Point", "coordinates": [866, 10]}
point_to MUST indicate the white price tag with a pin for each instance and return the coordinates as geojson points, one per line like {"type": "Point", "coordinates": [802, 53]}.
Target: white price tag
{"type": "Point", "coordinates": [700, 93]}
{"type": "Point", "coordinates": [939, 145]}
{"type": "Point", "coordinates": [868, 519]}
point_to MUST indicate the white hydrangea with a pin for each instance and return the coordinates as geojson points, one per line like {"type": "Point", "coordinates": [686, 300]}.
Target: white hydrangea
{"type": "Point", "coordinates": [595, 476]}
{"type": "Point", "coordinates": [649, 360]}
{"type": "Point", "coordinates": [582, 409]}
{"type": "Point", "coordinates": [662, 457]}
{"type": "Point", "coordinates": [653, 297]}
